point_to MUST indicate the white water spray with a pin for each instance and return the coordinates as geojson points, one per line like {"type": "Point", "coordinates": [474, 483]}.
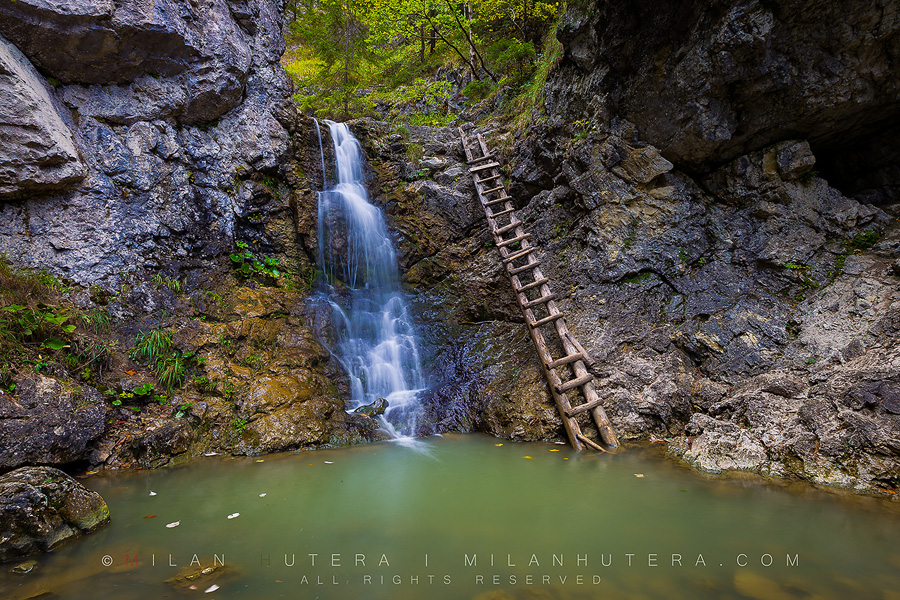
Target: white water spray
{"type": "Point", "coordinates": [373, 335]}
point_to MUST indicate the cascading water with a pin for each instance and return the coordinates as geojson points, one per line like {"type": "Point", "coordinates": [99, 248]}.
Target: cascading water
{"type": "Point", "coordinates": [373, 335]}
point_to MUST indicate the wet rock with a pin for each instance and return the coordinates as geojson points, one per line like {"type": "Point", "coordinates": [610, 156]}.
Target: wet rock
{"type": "Point", "coordinates": [41, 508]}
{"type": "Point", "coordinates": [49, 423]}
{"type": "Point", "coordinates": [197, 580]}
{"type": "Point", "coordinates": [721, 446]}
{"type": "Point", "coordinates": [24, 568]}
{"type": "Point", "coordinates": [38, 153]}
{"type": "Point", "coordinates": [373, 410]}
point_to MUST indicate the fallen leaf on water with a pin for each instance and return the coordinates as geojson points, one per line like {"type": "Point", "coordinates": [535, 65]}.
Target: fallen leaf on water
{"type": "Point", "coordinates": [554, 449]}
{"type": "Point", "coordinates": [498, 445]}
{"type": "Point", "coordinates": [260, 460]}
{"type": "Point", "coordinates": [233, 515]}
{"type": "Point", "coordinates": [149, 516]}
{"type": "Point", "coordinates": [174, 524]}
{"type": "Point", "coordinates": [211, 588]}
{"type": "Point", "coordinates": [565, 458]}
{"type": "Point", "coordinates": [526, 457]}
{"type": "Point", "coordinates": [638, 475]}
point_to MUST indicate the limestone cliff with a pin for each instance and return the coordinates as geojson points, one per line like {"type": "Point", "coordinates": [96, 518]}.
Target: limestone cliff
{"type": "Point", "coordinates": [141, 143]}
{"type": "Point", "coordinates": [729, 263]}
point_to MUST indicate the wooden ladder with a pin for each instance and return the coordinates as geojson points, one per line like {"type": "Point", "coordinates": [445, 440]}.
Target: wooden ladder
{"type": "Point", "coordinates": [541, 310]}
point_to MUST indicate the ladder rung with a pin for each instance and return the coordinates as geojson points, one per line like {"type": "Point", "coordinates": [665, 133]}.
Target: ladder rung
{"type": "Point", "coordinates": [501, 213]}
{"type": "Point", "coordinates": [588, 442]}
{"type": "Point", "coordinates": [565, 360]}
{"type": "Point", "coordinates": [478, 160]}
{"type": "Point", "coordinates": [509, 227]}
{"type": "Point", "coordinates": [546, 320]}
{"type": "Point", "coordinates": [525, 252]}
{"type": "Point", "coordinates": [492, 190]}
{"type": "Point", "coordinates": [524, 268]}
{"type": "Point", "coordinates": [497, 201]}
{"type": "Point", "coordinates": [534, 284]}
{"type": "Point", "coordinates": [518, 238]}
{"type": "Point", "coordinates": [489, 165]}
{"type": "Point", "coordinates": [574, 383]}
{"type": "Point", "coordinates": [489, 178]}
{"type": "Point", "coordinates": [577, 410]}
{"type": "Point", "coordinates": [541, 300]}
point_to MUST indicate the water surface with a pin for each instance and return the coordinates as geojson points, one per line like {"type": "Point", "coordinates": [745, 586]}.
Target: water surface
{"type": "Point", "coordinates": [469, 516]}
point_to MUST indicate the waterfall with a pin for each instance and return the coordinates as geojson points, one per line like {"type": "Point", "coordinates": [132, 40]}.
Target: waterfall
{"type": "Point", "coordinates": [374, 339]}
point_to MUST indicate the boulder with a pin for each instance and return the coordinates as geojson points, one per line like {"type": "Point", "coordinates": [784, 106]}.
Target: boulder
{"type": "Point", "coordinates": [37, 153]}
{"type": "Point", "coordinates": [41, 508]}
{"type": "Point", "coordinates": [46, 423]}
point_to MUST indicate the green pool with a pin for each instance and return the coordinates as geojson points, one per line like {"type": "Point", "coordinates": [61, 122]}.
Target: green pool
{"type": "Point", "coordinates": [465, 516]}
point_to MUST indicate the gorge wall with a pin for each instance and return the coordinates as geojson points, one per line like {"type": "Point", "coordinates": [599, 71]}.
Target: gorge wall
{"type": "Point", "coordinates": [723, 253]}
{"type": "Point", "coordinates": [140, 142]}
{"type": "Point", "coordinates": [714, 187]}
{"type": "Point", "coordinates": [138, 133]}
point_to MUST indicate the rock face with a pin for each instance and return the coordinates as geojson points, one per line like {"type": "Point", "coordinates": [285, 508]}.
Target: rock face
{"type": "Point", "coordinates": [178, 112]}
{"type": "Point", "coordinates": [38, 153]}
{"type": "Point", "coordinates": [41, 508]}
{"type": "Point", "coordinates": [709, 81]}
{"type": "Point", "coordinates": [46, 424]}
{"type": "Point", "coordinates": [748, 317]}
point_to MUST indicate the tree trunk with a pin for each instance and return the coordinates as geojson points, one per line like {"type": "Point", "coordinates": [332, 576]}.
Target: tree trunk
{"type": "Point", "coordinates": [422, 43]}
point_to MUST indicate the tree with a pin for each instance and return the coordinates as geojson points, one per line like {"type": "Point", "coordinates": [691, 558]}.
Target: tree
{"type": "Point", "coordinates": [336, 32]}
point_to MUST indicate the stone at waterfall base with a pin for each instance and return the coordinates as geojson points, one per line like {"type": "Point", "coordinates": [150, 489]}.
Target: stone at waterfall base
{"type": "Point", "coordinates": [41, 508]}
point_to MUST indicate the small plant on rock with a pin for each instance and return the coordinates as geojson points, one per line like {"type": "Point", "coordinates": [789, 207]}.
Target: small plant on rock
{"type": "Point", "coordinates": [249, 264]}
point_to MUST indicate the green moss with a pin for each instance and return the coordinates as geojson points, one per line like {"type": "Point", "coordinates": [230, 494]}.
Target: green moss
{"type": "Point", "coordinates": [638, 278]}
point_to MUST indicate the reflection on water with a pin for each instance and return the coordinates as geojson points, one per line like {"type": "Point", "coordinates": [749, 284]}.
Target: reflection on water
{"type": "Point", "coordinates": [466, 517]}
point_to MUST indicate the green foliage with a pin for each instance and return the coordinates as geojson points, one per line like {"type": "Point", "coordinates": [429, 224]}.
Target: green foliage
{"type": "Point", "coordinates": [143, 389]}
{"type": "Point", "coordinates": [172, 283]}
{"type": "Point", "coordinates": [865, 240]}
{"type": "Point", "coordinates": [528, 105]}
{"type": "Point", "coordinates": [476, 90]}
{"type": "Point", "coordinates": [249, 264]}
{"type": "Point", "coordinates": [352, 58]}
{"type": "Point", "coordinates": [96, 320]}
{"type": "Point", "coordinates": [152, 345]}
{"type": "Point", "coordinates": [171, 370]}
{"type": "Point", "coordinates": [169, 364]}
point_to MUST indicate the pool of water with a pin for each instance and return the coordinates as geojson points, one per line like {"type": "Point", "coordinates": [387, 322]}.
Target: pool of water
{"type": "Point", "coordinates": [467, 516]}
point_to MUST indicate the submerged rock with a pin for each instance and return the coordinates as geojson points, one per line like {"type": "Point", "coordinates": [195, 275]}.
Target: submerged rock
{"type": "Point", "coordinates": [41, 508]}
{"type": "Point", "coordinates": [202, 579]}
